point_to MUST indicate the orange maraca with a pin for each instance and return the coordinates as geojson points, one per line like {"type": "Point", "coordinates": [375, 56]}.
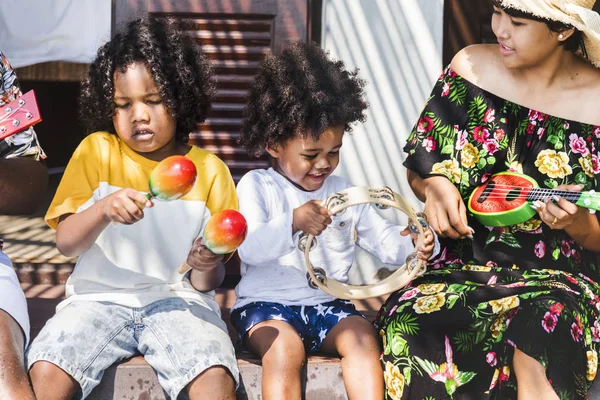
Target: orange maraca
{"type": "Point", "coordinates": [224, 232]}
{"type": "Point", "coordinates": [172, 178]}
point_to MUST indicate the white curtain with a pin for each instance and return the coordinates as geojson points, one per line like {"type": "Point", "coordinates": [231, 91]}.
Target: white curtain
{"type": "Point", "coordinates": [35, 31]}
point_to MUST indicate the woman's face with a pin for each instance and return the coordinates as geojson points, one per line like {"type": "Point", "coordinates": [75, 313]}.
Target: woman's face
{"type": "Point", "coordinates": [523, 42]}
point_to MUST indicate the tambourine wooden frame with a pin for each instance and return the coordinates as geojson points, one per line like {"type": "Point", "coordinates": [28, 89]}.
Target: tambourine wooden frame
{"type": "Point", "coordinates": [401, 277]}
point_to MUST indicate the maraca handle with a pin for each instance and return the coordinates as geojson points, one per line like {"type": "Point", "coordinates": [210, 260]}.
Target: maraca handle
{"type": "Point", "coordinates": [140, 205]}
{"type": "Point", "coordinates": [185, 267]}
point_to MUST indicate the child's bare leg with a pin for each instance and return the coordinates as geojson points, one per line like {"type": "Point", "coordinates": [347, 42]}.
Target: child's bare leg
{"type": "Point", "coordinates": [532, 382]}
{"type": "Point", "coordinates": [214, 383]}
{"type": "Point", "coordinates": [14, 383]}
{"type": "Point", "coordinates": [354, 339]}
{"type": "Point", "coordinates": [51, 382]}
{"type": "Point", "coordinates": [282, 353]}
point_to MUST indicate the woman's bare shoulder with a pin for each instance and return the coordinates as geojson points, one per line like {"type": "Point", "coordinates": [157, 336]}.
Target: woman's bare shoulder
{"type": "Point", "coordinates": [477, 63]}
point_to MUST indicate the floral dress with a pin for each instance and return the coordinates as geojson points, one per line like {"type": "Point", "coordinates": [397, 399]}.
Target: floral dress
{"type": "Point", "coordinates": [452, 333]}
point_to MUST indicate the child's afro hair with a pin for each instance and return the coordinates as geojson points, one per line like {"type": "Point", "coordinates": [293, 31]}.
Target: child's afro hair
{"type": "Point", "coordinates": [177, 65]}
{"type": "Point", "coordinates": [300, 92]}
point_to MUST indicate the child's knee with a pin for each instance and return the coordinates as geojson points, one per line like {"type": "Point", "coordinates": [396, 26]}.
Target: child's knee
{"type": "Point", "coordinates": [43, 373]}
{"type": "Point", "coordinates": [214, 379]}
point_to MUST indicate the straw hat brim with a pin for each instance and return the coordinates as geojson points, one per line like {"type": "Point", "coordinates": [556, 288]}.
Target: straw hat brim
{"type": "Point", "coordinates": [583, 19]}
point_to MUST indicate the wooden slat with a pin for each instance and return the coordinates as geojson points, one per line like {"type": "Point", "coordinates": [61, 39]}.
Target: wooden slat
{"type": "Point", "coordinates": [226, 24]}
{"type": "Point", "coordinates": [231, 95]}
{"type": "Point", "coordinates": [235, 67]}
{"type": "Point", "coordinates": [231, 38]}
{"type": "Point", "coordinates": [57, 71]}
{"type": "Point", "coordinates": [252, 53]}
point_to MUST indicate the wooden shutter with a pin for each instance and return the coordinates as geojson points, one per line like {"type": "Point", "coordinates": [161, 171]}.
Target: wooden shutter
{"type": "Point", "coordinates": [235, 46]}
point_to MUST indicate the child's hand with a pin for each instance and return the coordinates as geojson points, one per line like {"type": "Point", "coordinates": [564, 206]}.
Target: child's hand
{"type": "Point", "coordinates": [201, 258]}
{"type": "Point", "coordinates": [311, 217]}
{"type": "Point", "coordinates": [125, 206]}
{"type": "Point", "coordinates": [426, 250]}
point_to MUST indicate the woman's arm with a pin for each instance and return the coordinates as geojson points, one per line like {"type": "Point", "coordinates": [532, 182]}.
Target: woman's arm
{"type": "Point", "coordinates": [22, 184]}
{"type": "Point", "coordinates": [444, 207]}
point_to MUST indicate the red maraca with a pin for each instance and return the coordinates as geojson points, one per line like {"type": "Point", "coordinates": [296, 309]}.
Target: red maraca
{"type": "Point", "coordinates": [172, 178]}
{"type": "Point", "coordinates": [224, 232]}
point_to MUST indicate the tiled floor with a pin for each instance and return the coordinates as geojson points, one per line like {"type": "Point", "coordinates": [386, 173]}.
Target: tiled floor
{"type": "Point", "coordinates": [28, 238]}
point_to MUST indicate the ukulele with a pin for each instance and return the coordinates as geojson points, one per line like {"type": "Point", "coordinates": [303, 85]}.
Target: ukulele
{"type": "Point", "coordinates": [505, 199]}
{"type": "Point", "coordinates": [18, 115]}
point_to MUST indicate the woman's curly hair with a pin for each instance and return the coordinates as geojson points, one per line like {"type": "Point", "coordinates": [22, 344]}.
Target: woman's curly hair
{"type": "Point", "coordinates": [177, 65]}
{"type": "Point", "coordinates": [300, 92]}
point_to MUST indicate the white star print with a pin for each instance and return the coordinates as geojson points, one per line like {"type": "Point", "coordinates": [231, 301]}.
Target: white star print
{"type": "Point", "coordinates": [341, 315]}
{"type": "Point", "coordinates": [320, 309]}
{"type": "Point", "coordinates": [243, 314]}
{"type": "Point", "coordinates": [278, 317]}
{"type": "Point", "coordinates": [322, 334]}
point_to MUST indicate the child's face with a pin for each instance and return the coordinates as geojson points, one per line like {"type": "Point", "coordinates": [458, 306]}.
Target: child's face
{"type": "Point", "coordinates": [306, 162]}
{"type": "Point", "coordinates": [141, 120]}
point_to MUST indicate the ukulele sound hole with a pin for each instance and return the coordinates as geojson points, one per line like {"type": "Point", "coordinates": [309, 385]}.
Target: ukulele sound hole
{"type": "Point", "coordinates": [513, 195]}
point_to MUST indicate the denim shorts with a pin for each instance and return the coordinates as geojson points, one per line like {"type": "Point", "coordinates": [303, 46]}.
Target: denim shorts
{"type": "Point", "coordinates": [312, 323]}
{"type": "Point", "coordinates": [179, 338]}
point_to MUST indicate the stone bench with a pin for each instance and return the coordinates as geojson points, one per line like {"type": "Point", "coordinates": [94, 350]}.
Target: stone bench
{"type": "Point", "coordinates": [135, 379]}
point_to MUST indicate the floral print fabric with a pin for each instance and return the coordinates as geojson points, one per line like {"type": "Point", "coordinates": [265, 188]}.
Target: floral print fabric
{"type": "Point", "coordinates": [453, 332]}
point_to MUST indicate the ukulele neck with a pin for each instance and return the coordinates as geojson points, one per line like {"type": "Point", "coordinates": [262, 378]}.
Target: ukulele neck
{"type": "Point", "coordinates": [544, 194]}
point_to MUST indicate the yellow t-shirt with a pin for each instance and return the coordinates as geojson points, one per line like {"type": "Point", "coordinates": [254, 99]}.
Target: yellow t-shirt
{"type": "Point", "coordinates": [135, 265]}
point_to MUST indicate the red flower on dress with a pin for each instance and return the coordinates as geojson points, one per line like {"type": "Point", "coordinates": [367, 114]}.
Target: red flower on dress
{"type": "Point", "coordinates": [549, 321]}
{"type": "Point", "coordinates": [481, 134]}
{"type": "Point", "coordinates": [425, 125]}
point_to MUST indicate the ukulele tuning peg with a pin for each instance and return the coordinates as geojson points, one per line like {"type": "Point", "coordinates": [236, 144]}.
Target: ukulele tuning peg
{"type": "Point", "coordinates": [2, 129]}
{"type": "Point", "coordinates": [15, 122]}
{"type": "Point", "coordinates": [592, 211]}
{"type": "Point", "coordinates": [29, 115]}
{"type": "Point", "coordinates": [8, 110]}
{"type": "Point", "coordinates": [592, 193]}
{"type": "Point", "coordinates": [21, 102]}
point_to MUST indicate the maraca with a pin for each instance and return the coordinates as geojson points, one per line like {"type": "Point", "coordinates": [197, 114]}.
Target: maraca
{"type": "Point", "coordinates": [224, 232]}
{"type": "Point", "coordinates": [171, 179]}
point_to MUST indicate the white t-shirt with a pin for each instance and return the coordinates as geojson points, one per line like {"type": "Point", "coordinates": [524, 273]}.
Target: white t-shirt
{"type": "Point", "coordinates": [273, 268]}
{"type": "Point", "coordinates": [135, 265]}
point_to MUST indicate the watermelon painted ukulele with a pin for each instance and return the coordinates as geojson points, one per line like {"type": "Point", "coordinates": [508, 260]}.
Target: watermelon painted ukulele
{"type": "Point", "coordinates": [18, 115]}
{"type": "Point", "coordinates": [505, 199]}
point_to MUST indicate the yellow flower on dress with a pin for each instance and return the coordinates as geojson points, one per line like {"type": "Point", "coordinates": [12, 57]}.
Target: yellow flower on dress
{"type": "Point", "coordinates": [586, 165]}
{"type": "Point", "coordinates": [504, 304]}
{"type": "Point", "coordinates": [449, 168]}
{"type": "Point", "coordinates": [516, 167]}
{"type": "Point", "coordinates": [553, 164]}
{"type": "Point", "coordinates": [469, 155]}
{"type": "Point", "coordinates": [394, 381]}
{"type": "Point", "coordinates": [498, 324]}
{"type": "Point", "coordinates": [383, 338]}
{"type": "Point", "coordinates": [592, 364]}
{"type": "Point", "coordinates": [479, 268]}
{"type": "Point", "coordinates": [431, 288]}
{"type": "Point", "coordinates": [531, 224]}
{"type": "Point", "coordinates": [429, 304]}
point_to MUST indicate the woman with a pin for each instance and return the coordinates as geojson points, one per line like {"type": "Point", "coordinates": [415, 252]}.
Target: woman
{"type": "Point", "coordinates": [508, 311]}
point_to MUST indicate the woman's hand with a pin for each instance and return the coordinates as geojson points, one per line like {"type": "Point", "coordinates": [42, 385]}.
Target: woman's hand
{"type": "Point", "coordinates": [445, 208]}
{"type": "Point", "coordinates": [559, 213]}
{"type": "Point", "coordinates": [125, 206]}
{"type": "Point", "coordinates": [201, 258]}
{"type": "Point", "coordinates": [426, 250]}
{"type": "Point", "coordinates": [311, 217]}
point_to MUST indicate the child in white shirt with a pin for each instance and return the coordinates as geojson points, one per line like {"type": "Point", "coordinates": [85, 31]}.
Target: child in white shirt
{"type": "Point", "coordinates": [301, 104]}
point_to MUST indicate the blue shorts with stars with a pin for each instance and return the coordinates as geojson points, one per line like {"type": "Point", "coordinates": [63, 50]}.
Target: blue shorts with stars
{"type": "Point", "coordinates": [312, 323]}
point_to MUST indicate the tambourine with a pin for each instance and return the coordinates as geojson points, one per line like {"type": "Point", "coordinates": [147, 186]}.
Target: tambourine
{"type": "Point", "coordinates": [383, 198]}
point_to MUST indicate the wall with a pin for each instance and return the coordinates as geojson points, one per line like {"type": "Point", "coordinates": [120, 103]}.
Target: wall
{"type": "Point", "coordinates": [397, 45]}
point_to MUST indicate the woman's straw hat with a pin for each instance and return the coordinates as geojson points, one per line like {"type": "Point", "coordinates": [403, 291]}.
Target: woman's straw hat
{"type": "Point", "coordinates": [576, 13]}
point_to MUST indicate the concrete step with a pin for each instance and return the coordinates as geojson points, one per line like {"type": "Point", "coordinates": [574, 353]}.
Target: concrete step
{"type": "Point", "coordinates": [135, 379]}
